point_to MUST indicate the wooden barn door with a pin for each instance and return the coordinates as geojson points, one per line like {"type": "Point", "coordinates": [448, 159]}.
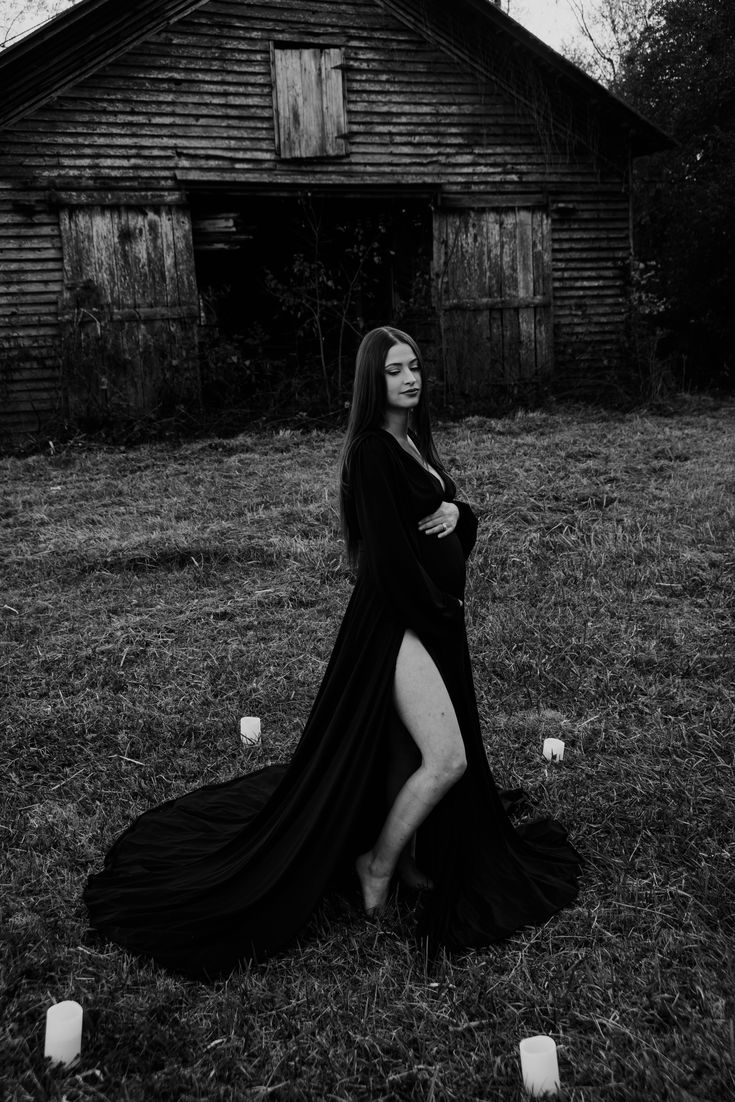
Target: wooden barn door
{"type": "Point", "coordinates": [493, 283]}
{"type": "Point", "coordinates": [131, 311]}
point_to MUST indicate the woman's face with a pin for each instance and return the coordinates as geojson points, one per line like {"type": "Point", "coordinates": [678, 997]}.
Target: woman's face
{"type": "Point", "coordinates": [402, 378]}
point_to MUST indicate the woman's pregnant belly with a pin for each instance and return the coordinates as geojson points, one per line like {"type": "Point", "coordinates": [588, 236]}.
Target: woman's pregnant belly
{"type": "Point", "coordinates": [443, 561]}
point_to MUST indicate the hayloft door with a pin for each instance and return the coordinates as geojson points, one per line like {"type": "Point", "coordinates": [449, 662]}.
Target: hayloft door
{"type": "Point", "coordinates": [492, 270]}
{"type": "Point", "coordinates": [130, 310]}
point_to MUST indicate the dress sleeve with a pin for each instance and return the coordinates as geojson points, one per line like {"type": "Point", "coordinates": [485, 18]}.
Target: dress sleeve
{"type": "Point", "coordinates": [466, 527]}
{"type": "Point", "coordinates": [390, 545]}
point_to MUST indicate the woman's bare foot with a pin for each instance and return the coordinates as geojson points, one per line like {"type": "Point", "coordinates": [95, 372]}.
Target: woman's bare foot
{"type": "Point", "coordinates": [374, 888]}
{"type": "Point", "coordinates": [412, 876]}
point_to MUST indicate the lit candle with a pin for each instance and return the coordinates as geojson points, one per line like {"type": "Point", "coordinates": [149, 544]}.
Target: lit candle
{"type": "Point", "coordinates": [63, 1032]}
{"type": "Point", "coordinates": [250, 730]}
{"type": "Point", "coordinates": [539, 1066]}
{"type": "Point", "coordinates": [553, 749]}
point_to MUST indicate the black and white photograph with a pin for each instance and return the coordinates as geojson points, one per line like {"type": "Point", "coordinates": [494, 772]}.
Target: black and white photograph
{"type": "Point", "coordinates": [367, 550]}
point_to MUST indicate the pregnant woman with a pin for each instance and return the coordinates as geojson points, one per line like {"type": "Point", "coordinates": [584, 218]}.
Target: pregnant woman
{"type": "Point", "coordinates": [390, 778]}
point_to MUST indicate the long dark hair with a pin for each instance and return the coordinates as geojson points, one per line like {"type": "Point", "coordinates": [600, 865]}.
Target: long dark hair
{"type": "Point", "coordinates": [367, 411]}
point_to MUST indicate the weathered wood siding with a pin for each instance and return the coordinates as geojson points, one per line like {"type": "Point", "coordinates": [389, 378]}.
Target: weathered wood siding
{"type": "Point", "coordinates": [31, 278]}
{"type": "Point", "coordinates": [193, 108]}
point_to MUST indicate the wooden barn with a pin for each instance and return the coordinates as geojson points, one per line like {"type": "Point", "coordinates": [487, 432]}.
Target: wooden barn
{"type": "Point", "coordinates": [184, 183]}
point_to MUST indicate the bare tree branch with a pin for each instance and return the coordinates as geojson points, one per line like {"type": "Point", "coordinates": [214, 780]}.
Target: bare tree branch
{"type": "Point", "coordinates": [577, 9]}
{"type": "Point", "coordinates": [610, 29]}
{"type": "Point", "coordinates": [19, 17]}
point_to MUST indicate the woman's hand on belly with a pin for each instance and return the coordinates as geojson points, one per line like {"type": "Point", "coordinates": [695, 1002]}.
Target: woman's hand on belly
{"type": "Point", "coordinates": [442, 522]}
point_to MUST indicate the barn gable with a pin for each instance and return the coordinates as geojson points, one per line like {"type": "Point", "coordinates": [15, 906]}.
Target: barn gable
{"type": "Point", "coordinates": [75, 44]}
{"type": "Point", "coordinates": [179, 108]}
{"type": "Point", "coordinates": [92, 33]}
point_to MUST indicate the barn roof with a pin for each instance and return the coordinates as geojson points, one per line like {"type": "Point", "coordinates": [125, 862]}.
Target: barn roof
{"type": "Point", "coordinates": [93, 33]}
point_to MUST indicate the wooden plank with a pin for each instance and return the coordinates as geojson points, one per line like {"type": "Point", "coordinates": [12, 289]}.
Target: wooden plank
{"type": "Point", "coordinates": [455, 256]}
{"type": "Point", "coordinates": [170, 290]}
{"type": "Point", "coordinates": [518, 303]}
{"type": "Point", "coordinates": [183, 245]}
{"type": "Point", "coordinates": [542, 337]}
{"type": "Point", "coordinates": [527, 342]}
{"type": "Point", "coordinates": [288, 89]}
{"type": "Point", "coordinates": [524, 252]}
{"type": "Point", "coordinates": [117, 198]}
{"type": "Point", "coordinates": [274, 99]}
{"type": "Point", "coordinates": [33, 263]}
{"type": "Point", "coordinates": [303, 129]}
{"type": "Point", "coordinates": [526, 314]}
{"type": "Point", "coordinates": [144, 314]}
{"type": "Point", "coordinates": [287, 65]}
{"type": "Point", "coordinates": [494, 254]}
{"type": "Point", "coordinates": [310, 97]}
{"type": "Point", "coordinates": [137, 252]}
{"type": "Point", "coordinates": [468, 345]}
{"type": "Point", "coordinates": [183, 299]}
{"type": "Point", "coordinates": [70, 247]}
{"type": "Point", "coordinates": [438, 290]}
{"type": "Point", "coordinates": [481, 249]}
{"type": "Point", "coordinates": [154, 344]}
{"type": "Point", "coordinates": [125, 274]}
{"type": "Point", "coordinates": [496, 369]}
{"type": "Point", "coordinates": [166, 290]}
{"type": "Point", "coordinates": [157, 257]}
{"type": "Point", "coordinates": [542, 278]}
{"type": "Point", "coordinates": [333, 98]}
{"type": "Point", "coordinates": [493, 200]}
{"type": "Point", "coordinates": [84, 296]}
{"type": "Point", "coordinates": [509, 279]}
{"type": "Point", "coordinates": [30, 297]}
{"type": "Point", "coordinates": [105, 245]}
{"type": "Point", "coordinates": [93, 258]}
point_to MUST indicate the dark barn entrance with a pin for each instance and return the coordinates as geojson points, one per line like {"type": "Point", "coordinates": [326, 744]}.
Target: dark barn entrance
{"type": "Point", "coordinates": [290, 283]}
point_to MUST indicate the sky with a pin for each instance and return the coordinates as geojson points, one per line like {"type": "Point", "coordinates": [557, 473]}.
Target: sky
{"type": "Point", "coordinates": [550, 20]}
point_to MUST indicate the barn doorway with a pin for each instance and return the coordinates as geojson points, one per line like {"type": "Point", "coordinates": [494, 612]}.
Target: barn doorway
{"type": "Point", "coordinates": [494, 299]}
{"type": "Point", "coordinates": [289, 284]}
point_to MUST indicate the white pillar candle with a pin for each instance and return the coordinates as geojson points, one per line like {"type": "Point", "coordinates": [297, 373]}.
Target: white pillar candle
{"type": "Point", "coordinates": [553, 749]}
{"type": "Point", "coordinates": [250, 730]}
{"type": "Point", "coordinates": [63, 1032]}
{"type": "Point", "coordinates": [539, 1066]}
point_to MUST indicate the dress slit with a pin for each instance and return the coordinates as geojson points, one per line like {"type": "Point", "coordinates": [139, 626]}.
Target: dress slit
{"type": "Point", "coordinates": [435, 673]}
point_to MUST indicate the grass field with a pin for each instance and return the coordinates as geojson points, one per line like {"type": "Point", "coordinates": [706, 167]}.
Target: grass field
{"type": "Point", "coordinates": [154, 595]}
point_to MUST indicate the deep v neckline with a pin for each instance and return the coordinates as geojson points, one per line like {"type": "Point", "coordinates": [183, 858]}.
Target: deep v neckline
{"type": "Point", "coordinates": [417, 460]}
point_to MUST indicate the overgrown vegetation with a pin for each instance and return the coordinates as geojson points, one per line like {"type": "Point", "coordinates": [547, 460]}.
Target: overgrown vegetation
{"type": "Point", "coordinates": [285, 314]}
{"type": "Point", "coordinates": [674, 61]}
{"type": "Point", "coordinates": [153, 595]}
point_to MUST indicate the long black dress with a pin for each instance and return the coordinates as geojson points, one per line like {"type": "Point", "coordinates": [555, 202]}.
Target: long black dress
{"type": "Point", "coordinates": [234, 870]}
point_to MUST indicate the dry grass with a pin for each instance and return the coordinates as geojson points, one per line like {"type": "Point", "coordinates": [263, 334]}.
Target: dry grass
{"type": "Point", "coordinates": [152, 596]}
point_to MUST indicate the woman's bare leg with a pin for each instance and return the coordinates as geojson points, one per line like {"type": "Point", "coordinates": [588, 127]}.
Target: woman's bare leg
{"type": "Point", "coordinates": [403, 761]}
{"type": "Point", "coordinates": [424, 706]}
